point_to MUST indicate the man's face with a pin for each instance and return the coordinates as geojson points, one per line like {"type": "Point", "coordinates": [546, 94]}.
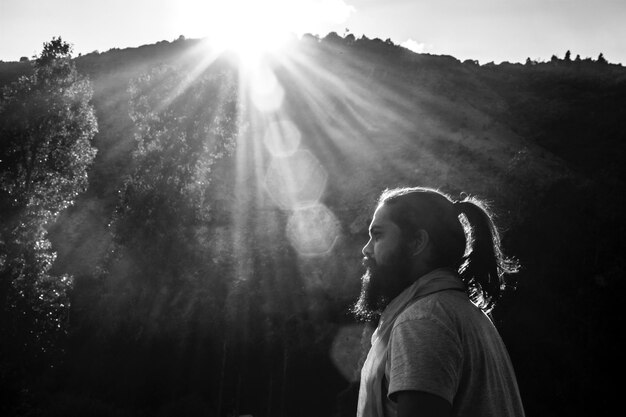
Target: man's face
{"type": "Point", "coordinates": [388, 263]}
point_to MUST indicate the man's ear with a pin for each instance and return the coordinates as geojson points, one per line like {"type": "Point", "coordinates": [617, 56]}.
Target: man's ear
{"type": "Point", "coordinates": [419, 242]}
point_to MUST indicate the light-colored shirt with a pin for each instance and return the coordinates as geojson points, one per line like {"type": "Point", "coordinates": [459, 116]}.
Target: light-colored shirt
{"type": "Point", "coordinates": [444, 345]}
{"type": "Point", "coordinates": [371, 397]}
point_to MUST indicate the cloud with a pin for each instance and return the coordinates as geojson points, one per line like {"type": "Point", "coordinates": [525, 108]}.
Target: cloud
{"type": "Point", "coordinates": [415, 46]}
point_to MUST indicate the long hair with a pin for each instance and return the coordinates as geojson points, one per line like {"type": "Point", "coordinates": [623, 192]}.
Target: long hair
{"type": "Point", "coordinates": [463, 235]}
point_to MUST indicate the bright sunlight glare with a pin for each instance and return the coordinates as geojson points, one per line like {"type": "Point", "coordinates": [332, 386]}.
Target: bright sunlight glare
{"type": "Point", "coordinates": [252, 27]}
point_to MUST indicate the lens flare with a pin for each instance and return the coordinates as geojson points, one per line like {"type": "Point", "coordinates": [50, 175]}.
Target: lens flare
{"type": "Point", "coordinates": [265, 91]}
{"type": "Point", "coordinates": [347, 350]}
{"type": "Point", "coordinates": [282, 138]}
{"type": "Point", "coordinates": [296, 181]}
{"type": "Point", "coordinates": [313, 230]}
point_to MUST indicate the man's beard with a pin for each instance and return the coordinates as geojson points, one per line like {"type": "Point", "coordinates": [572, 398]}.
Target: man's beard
{"type": "Point", "coordinates": [382, 283]}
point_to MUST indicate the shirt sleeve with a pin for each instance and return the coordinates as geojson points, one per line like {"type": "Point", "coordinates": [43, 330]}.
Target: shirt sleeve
{"type": "Point", "coordinates": [424, 356]}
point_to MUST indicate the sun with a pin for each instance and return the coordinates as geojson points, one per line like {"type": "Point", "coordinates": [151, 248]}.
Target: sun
{"type": "Point", "coordinates": [247, 27]}
{"type": "Point", "coordinates": [253, 27]}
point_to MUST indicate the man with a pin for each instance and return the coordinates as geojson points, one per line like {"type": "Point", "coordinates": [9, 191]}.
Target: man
{"type": "Point", "coordinates": [434, 271]}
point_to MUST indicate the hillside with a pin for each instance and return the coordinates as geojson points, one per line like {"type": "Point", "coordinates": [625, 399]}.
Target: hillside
{"type": "Point", "coordinates": [197, 284]}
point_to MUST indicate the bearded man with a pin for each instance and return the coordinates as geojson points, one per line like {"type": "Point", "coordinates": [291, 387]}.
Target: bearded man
{"type": "Point", "coordinates": [435, 270]}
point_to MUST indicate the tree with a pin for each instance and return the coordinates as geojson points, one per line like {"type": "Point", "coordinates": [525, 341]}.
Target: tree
{"type": "Point", "coordinates": [166, 230]}
{"type": "Point", "coordinates": [333, 38]}
{"type": "Point", "coordinates": [180, 136]}
{"type": "Point", "coordinates": [602, 59]}
{"type": "Point", "coordinates": [568, 56]}
{"type": "Point", "coordinates": [46, 127]}
{"type": "Point", "coordinates": [183, 128]}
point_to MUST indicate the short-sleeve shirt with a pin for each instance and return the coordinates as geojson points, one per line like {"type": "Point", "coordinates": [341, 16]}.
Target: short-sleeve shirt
{"type": "Point", "coordinates": [444, 345]}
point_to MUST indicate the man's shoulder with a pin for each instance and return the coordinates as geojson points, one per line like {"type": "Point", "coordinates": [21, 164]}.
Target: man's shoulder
{"type": "Point", "coordinates": [442, 307]}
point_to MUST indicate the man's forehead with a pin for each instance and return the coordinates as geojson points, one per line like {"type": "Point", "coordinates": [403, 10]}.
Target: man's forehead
{"type": "Point", "coordinates": [380, 218]}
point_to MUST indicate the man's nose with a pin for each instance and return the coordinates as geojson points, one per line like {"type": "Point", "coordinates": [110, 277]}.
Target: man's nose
{"type": "Point", "coordinates": [366, 251]}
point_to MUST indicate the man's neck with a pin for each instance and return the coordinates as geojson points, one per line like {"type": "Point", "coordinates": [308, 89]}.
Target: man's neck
{"type": "Point", "coordinates": [419, 269]}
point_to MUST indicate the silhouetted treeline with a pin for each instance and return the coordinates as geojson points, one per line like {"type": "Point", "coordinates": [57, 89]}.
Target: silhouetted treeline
{"type": "Point", "coordinates": [190, 295]}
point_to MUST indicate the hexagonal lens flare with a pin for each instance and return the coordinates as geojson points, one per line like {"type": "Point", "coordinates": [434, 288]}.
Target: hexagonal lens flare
{"type": "Point", "coordinates": [296, 181]}
{"type": "Point", "coordinates": [265, 91]}
{"type": "Point", "coordinates": [313, 230]}
{"type": "Point", "coordinates": [282, 138]}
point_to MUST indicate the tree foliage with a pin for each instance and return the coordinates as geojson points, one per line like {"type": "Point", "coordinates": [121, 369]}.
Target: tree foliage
{"type": "Point", "coordinates": [46, 127]}
{"type": "Point", "coordinates": [183, 127]}
{"type": "Point", "coordinates": [159, 286]}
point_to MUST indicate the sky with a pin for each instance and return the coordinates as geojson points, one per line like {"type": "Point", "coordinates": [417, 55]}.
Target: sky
{"type": "Point", "coordinates": [485, 30]}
